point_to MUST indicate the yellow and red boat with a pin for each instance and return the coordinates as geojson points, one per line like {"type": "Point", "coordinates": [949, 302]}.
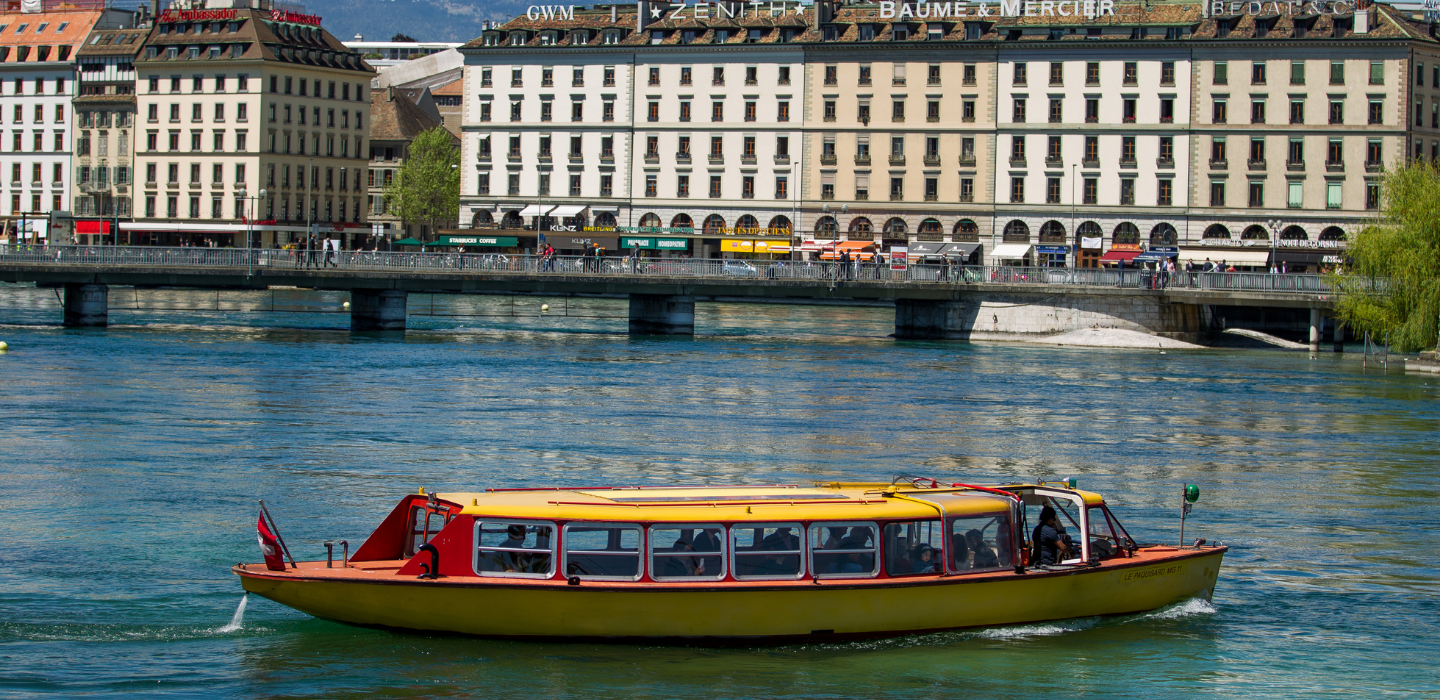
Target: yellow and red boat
{"type": "Point", "coordinates": [771, 563]}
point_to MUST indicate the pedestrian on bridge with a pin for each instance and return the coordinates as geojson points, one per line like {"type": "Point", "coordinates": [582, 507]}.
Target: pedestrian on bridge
{"type": "Point", "coordinates": [300, 249]}
{"type": "Point", "coordinates": [330, 247]}
{"type": "Point", "coordinates": [313, 254]}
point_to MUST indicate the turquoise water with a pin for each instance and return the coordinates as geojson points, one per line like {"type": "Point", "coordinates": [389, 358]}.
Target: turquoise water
{"type": "Point", "coordinates": [132, 457]}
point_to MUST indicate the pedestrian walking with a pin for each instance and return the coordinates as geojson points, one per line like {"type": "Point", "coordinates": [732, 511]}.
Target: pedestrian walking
{"type": "Point", "coordinates": [300, 251]}
{"type": "Point", "coordinates": [330, 246]}
{"type": "Point", "coordinates": [313, 258]}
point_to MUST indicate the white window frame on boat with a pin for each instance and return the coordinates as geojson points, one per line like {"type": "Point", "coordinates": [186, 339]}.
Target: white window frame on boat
{"type": "Point", "coordinates": [804, 560]}
{"type": "Point", "coordinates": [586, 525]}
{"type": "Point", "coordinates": [824, 525]}
{"type": "Point", "coordinates": [723, 554]}
{"type": "Point", "coordinates": [1084, 525]}
{"type": "Point", "coordinates": [476, 549]}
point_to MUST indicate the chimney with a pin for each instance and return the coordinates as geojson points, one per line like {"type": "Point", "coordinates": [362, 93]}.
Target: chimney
{"type": "Point", "coordinates": [1362, 21]}
{"type": "Point", "coordinates": [390, 94]}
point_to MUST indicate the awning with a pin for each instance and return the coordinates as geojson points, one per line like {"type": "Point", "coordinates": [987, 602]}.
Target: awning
{"type": "Point", "coordinates": [1231, 256]}
{"type": "Point", "coordinates": [567, 210]}
{"type": "Point", "coordinates": [1117, 255]}
{"type": "Point", "coordinates": [923, 249]}
{"type": "Point", "coordinates": [478, 241]}
{"type": "Point", "coordinates": [407, 241]}
{"type": "Point", "coordinates": [960, 250]}
{"type": "Point", "coordinates": [537, 209]}
{"type": "Point", "coordinates": [853, 246]}
{"type": "Point", "coordinates": [1298, 257]}
{"type": "Point", "coordinates": [91, 228]}
{"type": "Point", "coordinates": [1011, 251]}
{"type": "Point", "coordinates": [750, 245]}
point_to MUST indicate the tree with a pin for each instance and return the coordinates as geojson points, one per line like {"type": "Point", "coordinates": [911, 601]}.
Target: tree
{"type": "Point", "coordinates": [1391, 282]}
{"type": "Point", "coordinates": [427, 186]}
{"type": "Point", "coordinates": [402, 37]}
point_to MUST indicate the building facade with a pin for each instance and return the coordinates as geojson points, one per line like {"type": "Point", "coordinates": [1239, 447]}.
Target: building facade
{"type": "Point", "coordinates": [104, 123]}
{"type": "Point", "coordinates": [37, 85]}
{"type": "Point", "coordinates": [253, 124]}
{"type": "Point", "coordinates": [1033, 133]}
{"type": "Point", "coordinates": [395, 121]}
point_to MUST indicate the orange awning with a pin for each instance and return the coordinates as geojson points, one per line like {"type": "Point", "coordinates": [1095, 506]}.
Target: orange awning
{"type": "Point", "coordinates": [853, 246]}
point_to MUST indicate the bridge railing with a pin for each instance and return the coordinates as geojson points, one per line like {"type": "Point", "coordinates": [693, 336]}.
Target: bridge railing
{"type": "Point", "coordinates": [231, 259]}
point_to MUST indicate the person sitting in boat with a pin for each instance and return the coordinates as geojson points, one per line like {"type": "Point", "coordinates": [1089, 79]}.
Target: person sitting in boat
{"type": "Point", "coordinates": [782, 540]}
{"type": "Point", "coordinates": [854, 562]}
{"type": "Point", "coordinates": [984, 556]}
{"type": "Point", "coordinates": [837, 535]}
{"type": "Point", "coordinates": [924, 562]}
{"type": "Point", "coordinates": [1052, 544]}
{"type": "Point", "coordinates": [959, 552]}
{"type": "Point", "coordinates": [684, 566]}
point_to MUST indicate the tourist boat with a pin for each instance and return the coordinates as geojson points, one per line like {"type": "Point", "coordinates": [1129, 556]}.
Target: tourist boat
{"type": "Point", "coordinates": [711, 564]}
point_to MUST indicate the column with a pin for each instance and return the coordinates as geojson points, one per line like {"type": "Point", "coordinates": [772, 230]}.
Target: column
{"type": "Point", "coordinates": [1315, 330]}
{"type": "Point", "coordinates": [923, 319]}
{"type": "Point", "coordinates": [87, 305]}
{"type": "Point", "coordinates": [377, 309]}
{"type": "Point", "coordinates": [662, 314]}
{"type": "Point", "coordinates": [1337, 335]}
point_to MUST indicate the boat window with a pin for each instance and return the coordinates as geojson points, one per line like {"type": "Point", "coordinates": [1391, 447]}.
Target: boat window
{"type": "Point", "coordinates": [521, 549]}
{"type": "Point", "coordinates": [767, 551]}
{"type": "Point", "coordinates": [913, 548]}
{"type": "Point", "coordinates": [424, 523]}
{"type": "Point", "coordinates": [602, 551]}
{"type": "Point", "coordinates": [1105, 538]}
{"type": "Point", "coordinates": [679, 552]}
{"type": "Point", "coordinates": [844, 550]}
{"type": "Point", "coordinates": [981, 542]}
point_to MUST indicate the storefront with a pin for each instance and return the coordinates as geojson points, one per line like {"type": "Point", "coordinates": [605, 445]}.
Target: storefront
{"type": "Point", "coordinates": [962, 253]}
{"type": "Point", "coordinates": [1090, 251]}
{"type": "Point", "coordinates": [740, 247]}
{"type": "Point", "coordinates": [858, 250]}
{"type": "Point", "coordinates": [1290, 260]}
{"type": "Point", "coordinates": [1120, 254]}
{"type": "Point", "coordinates": [655, 246]}
{"type": "Point", "coordinates": [1223, 258]}
{"type": "Point", "coordinates": [496, 244]}
{"type": "Point", "coordinates": [1052, 255]}
{"type": "Point", "coordinates": [575, 244]}
{"type": "Point", "coordinates": [927, 252]}
{"type": "Point", "coordinates": [1013, 254]}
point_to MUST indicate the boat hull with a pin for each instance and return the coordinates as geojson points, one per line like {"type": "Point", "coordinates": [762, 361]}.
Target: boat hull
{"type": "Point", "coordinates": [793, 611]}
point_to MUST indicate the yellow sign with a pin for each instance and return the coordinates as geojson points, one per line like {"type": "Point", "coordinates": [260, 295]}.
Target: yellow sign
{"type": "Point", "coordinates": [739, 245]}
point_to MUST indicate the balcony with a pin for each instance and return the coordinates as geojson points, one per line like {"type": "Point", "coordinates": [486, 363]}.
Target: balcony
{"type": "Point", "coordinates": [577, 158]}
{"type": "Point", "coordinates": [1165, 163]}
{"type": "Point", "coordinates": [1372, 166]}
{"type": "Point", "coordinates": [782, 159]}
{"type": "Point", "coordinates": [747, 159]}
{"type": "Point", "coordinates": [1334, 166]}
{"type": "Point", "coordinates": [1128, 162]}
{"type": "Point", "coordinates": [198, 185]}
{"type": "Point", "coordinates": [897, 158]}
{"type": "Point", "coordinates": [717, 159]}
{"type": "Point", "coordinates": [932, 159]}
{"type": "Point", "coordinates": [683, 157]}
{"type": "Point", "coordinates": [652, 158]}
{"type": "Point", "coordinates": [1090, 162]}
{"type": "Point", "coordinates": [513, 156]}
{"type": "Point", "coordinates": [1219, 163]}
{"type": "Point", "coordinates": [897, 196]}
{"type": "Point", "coordinates": [1255, 164]}
{"type": "Point", "coordinates": [149, 185]}
{"type": "Point", "coordinates": [1017, 162]}
{"type": "Point", "coordinates": [1295, 166]}
{"type": "Point", "coordinates": [932, 197]}
{"type": "Point", "coordinates": [607, 157]}
{"type": "Point", "coordinates": [828, 160]}
{"type": "Point", "coordinates": [862, 196]}
{"type": "Point", "coordinates": [862, 160]}
{"type": "Point", "coordinates": [545, 158]}
{"type": "Point", "coordinates": [483, 157]}
{"type": "Point", "coordinates": [1054, 162]}
{"type": "Point", "coordinates": [967, 160]}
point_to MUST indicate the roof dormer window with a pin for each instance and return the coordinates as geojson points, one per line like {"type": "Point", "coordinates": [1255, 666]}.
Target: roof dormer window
{"type": "Point", "coordinates": [579, 38]}
{"type": "Point", "coordinates": [935, 31]}
{"type": "Point", "coordinates": [609, 38]}
{"type": "Point", "coordinates": [867, 32]}
{"type": "Point", "coordinates": [517, 38]}
{"type": "Point", "coordinates": [657, 37]}
{"type": "Point", "coordinates": [900, 32]}
{"type": "Point", "coordinates": [754, 36]}
{"type": "Point", "coordinates": [547, 38]}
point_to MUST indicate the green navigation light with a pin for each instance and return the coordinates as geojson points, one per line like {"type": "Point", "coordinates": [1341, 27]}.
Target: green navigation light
{"type": "Point", "coordinates": [1192, 493]}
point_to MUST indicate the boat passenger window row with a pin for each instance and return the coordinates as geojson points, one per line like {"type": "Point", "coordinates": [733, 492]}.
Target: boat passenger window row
{"type": "Point", "coordinates": [750, 552]}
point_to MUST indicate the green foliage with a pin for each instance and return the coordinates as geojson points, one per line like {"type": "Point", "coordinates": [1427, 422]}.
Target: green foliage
{"type": "Point", "coordinates": [1392, 280]}
{"type": "Point", "coordinates": [426, 189]}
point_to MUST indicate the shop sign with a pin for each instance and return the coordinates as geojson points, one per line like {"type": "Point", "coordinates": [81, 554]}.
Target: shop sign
{"type": "Point", "coordinates": [1290, 7]}
{"type": "Point", "coordinates": [293, 17]}
{"type": "Point", "coordinates": [1126, 246]}
{"type": "Point", "coordinates": [740, 245]}
{"type": "Point", "coordinates": [699, 10]}
{"type": "Point", "coordinates": [1090, 9]}
{"type": "Point", "coordinates": [682, 230]}
{"type": "Point", "coordinates": [728, 231]}
{"type": "Point", "coordinates": [672, 244]}
{"type": "Point", "coordinates": [1282, 243]}
{"type": "Point", "coordinates": [197, 15]}
{"type": "Point", "coordinates": [1052, 249]}
{"type": "Point", "coordinates": [655, 243]}
{"type": "Point", "coordinates": [1092, 243]}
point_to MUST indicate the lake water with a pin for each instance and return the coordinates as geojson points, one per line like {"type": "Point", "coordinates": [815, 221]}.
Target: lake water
{"type": "Point", "coordinates": [131, 458]}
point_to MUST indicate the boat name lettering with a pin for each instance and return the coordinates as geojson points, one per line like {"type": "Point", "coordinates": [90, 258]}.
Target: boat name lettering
{"type": "Point", "coordinates": [1152, 573]}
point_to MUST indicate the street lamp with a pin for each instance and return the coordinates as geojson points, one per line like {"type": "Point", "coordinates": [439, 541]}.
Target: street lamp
{"type": "Point", "coordinates": [1075, 252]}
{"type": "Point", "coordinates": [250, 225]}
{"type": "Point", "coordinates": [310, 166]}
{"type": "Point", "coordinates": [1274, 225]}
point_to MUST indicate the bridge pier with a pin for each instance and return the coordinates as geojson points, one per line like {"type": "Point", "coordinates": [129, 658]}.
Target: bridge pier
{"type": "Point", "coordinates": [1337, 335]}
{"type": "Point", "coordinates": [377, 309]}
{"type": "Point", "coordinates": [662, 314]}
{"type": "Point", "coordinates": [1315, 322]}
{"type": "Point", "coordinates": [87, 305]}
{"type": "Point", "coordinates": [923, 319]}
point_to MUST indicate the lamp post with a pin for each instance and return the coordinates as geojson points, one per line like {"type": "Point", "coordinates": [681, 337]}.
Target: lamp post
{"type": "Point", "coordinates": [1274, 225]}
{"type": "Point", "coordinates": [310, 167]}
{"type": "Point", "coordinates": [1075, 252]}
{"type": "Point", "coordinates": [250, 226]}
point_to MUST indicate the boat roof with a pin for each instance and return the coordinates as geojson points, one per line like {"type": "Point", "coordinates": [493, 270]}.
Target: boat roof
{"type": "Point", "coordinates": [830, 501]}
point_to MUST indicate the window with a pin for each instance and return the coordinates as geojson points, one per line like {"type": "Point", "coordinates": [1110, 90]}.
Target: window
{"type": "Point", "coordinates": [1127, 191]}
{"type": "Point", "coordinates": [1297, 72]}
{"type": "Point", "coordinates": [1090, 190]}
{"type": "Point", "coordinates": [1333, 191]}
{"type": "Point", "coordinates": [1337, 111]}
{"type": "Point", "coordinates": [1372, 195]}
{"type": "Point", "coordinates": [863, 113]}
{"type": "Point", "coordinates": [932, 74]}
{"type": "Point", "coordinates": [1019, 74]}
{"type": "Point", "coordinates": [514, 111]}
{"type": "Point", "coordinates": [514, 549]}
{"type": "Point", "coordinates": [651, 187]}
{"type": "Point", "coordinates": [607, 111]}
{"type": "Point", "coordinates": [654, 76]}
{"type": "Point", "coordinates": [1167, 110]}
{"type": "Point", "coordinates": [682, 186]}
{"type": "Point", "coordinates": [831, 75]}
{"type": "Point", "coordinates": [717, 75]}
{"type": "Point", "coordinates": [1257, 151]}
{"type": "Point", "coordinates": [1017, 190]}
{"type": "Point", "coordinates": [769, 551]}
{"type": "Point", "coordinates": [714, 186]}
{"type": "Point", "coordinates": [1132, 73]}
{"type": "Point", "coordinates": [1294, 194]}
{"type": "Point", "coordinates": [485, 111]}
{"type": "Point", "coordinates": [1217, 193]}
{"type": "Point", "coordinates": [1335, 152]}
{"type": "Point", "coordinates": [967, 110]}
{"type": "Point", "coordinates": [752, 76]}
{"type": "Point", "coordinates": [680, 552]}
{"type": "Point", "coordinates": [1337, 72]}
{"type": "Point", "coordinates": [1052, 190]}
{"type": "Point", "coordinates": [864, 78]}
{"type": "Point", "coordinates": [782, 111]}
{"type": "Point", "coordinates": [1257, 73]}
{"type": "Point", "coordinates": [652, 112]}
{"type": "Point", "coordinates": [747, 187]}
{"type": "Point", "coordinates": [602, 552]}
{"type": "Point", "coordinates": [1057, 74]}
{"type": "Point", "coordinates": [1297, 111]}
{"type": "Point", "coordinates": [829, 115]}
{"type": "Point", "coordinates": [1220, 74]}
{"type": "Point", "coordinates": [1257, 193]}
{"type": "Point", "coordinates": [1372, 152]}
{"type": "Point", "coordinates": [1218, 112]}
{"type": "Point", "coordinates": [1129, 112]}
{"type": "Point", "coordinates": [1164, 192]}
{"type": "Point", "coordinates": [750, 111]}
{"type": "Point", "coordinates": [968, 74]}
{"type": "Point", "coordinates": [1257, 111]}
{"type": "Point", "coordinates": [897, 111]}
{"type": "Point", "coordinates": [577, 111]}
{"type": "Point", "coordinates": [1018, 112]}
{"type": "Point", "coordinates": [1377, 72]}
{"type": "Point", "coordinates": [1056, 111]}
{"type": "Point", "coordinates": [717, 111]}
{"type": "Point", "coordinates": [862, 186]}
{"type": "Point", "coordinates": [1296, 154]}
{"type": "Point", "coordinates": [844, 550]}
{"type": "Point", "coordinates": [914, 548]}
{"type": "Point", "coordinates": [609, 76]}
{"type": "Point", "coordinates": [1127, 150]}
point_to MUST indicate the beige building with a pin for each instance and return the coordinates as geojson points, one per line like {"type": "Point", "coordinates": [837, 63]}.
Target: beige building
{"type": "Point", "coordinates": [235, 102]}
{"type": "Point", "coordinates": [104, 118]}
{"type": "Point", "coordinates": [395, 121]}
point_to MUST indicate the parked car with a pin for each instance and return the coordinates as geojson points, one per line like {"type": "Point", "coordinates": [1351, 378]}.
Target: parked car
{"type": "Point", "coordinates": [738, 268]}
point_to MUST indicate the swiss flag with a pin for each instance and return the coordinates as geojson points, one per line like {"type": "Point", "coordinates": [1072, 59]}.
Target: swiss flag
{"type": "Point", "coordinates": [269, 546]}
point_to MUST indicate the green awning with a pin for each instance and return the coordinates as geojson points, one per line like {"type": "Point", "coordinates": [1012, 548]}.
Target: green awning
{"type": "Point", "coordinates": [407, 241]}
{"type": "Point", "coordinates": [478, 241]}
{"type": "Point", "coordinates": [652, 243]}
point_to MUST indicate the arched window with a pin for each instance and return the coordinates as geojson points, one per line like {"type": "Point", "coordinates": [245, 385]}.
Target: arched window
{"type": "Point", "coordinates": [1016, 232]}
{"type": "Point", "coordinates": [1126, 233]}
{"type": "Point", "coordinates": [746, 224]}
{"type": "Point", "coordinates": [930, 230]}
{"type": "Point", "coordinates": [780, 223]}
{"type": "Point", "coordinates": [1332, 233]}
{"type": "Point", "coordinates": [1163, 234]}
{"type": "Point", "coordinates": [713, 224]}
{"type": "Point", "coordinates": [1089, 229]}
{"type": "Point", "coordinates": [482, 218]}
{"type": "Point", "coordinates": [1217, 231]}
{"type": "Point", "coordinates": [1254, 232]}
{"type": "Point", "coordinates": [682, 221]}
{"type": "Point", "coordinates": [605, 219]}
{"type": "Point", "coordinates": [825, 227]}
{"type": "Point", "coordinates": [650, 220]}
{"type": "Point", "coordinates": [966, 232]}
{"type": "Point", "coordinates": [1052, 232]}
{"type": "Point", "coordinates": [896, 227]}
{"type": "Point", "coordinates": [861, 225]}
{"type": "Point", "coordinates": [512, 220]}
{"type": "Point", "coordinates": [1294, 233]}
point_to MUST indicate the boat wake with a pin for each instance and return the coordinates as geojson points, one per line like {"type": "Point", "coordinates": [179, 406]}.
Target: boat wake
{"type": "Point", "coordinates": [1189, 608]}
